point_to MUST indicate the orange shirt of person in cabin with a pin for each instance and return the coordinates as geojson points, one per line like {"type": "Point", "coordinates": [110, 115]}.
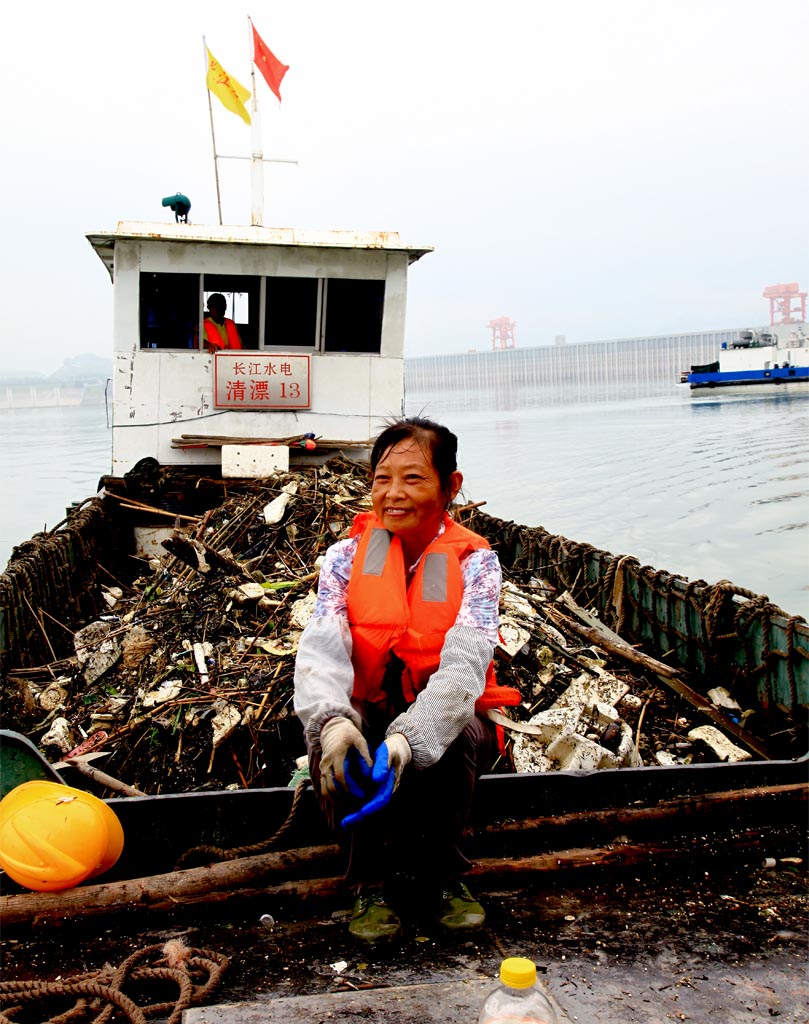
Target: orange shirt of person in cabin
{"type": "Point", "coordinates": [220, 331]}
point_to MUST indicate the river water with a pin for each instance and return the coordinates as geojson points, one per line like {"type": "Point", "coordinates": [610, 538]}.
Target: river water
{"type": "Point", "coordinates": [709, 487]}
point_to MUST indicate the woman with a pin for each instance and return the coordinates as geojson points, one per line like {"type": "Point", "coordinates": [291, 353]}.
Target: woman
{"type": "Point", "coordinates": [389, 672]}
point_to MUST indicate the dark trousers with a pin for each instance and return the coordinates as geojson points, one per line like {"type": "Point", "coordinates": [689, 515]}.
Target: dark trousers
{"type": "Point", "coordinates": [419, 834]}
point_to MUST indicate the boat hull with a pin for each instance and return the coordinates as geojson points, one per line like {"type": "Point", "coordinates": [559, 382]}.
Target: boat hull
{"type": "Point", "coordinates": [792, 377]}
{"type": "Point", "coordinates": [580, 805]}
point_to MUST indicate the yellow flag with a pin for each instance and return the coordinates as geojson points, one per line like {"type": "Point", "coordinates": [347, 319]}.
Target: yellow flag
{"type": "Point", "coordinates": [225, 87]}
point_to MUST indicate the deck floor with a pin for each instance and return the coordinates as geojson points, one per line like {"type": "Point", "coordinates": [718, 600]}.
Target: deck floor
{"type": "Point", "coordinates": [640, 947]}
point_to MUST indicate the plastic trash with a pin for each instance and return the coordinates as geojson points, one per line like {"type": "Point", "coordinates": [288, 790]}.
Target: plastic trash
{"type": "Point", "coordinates": [517, 997]}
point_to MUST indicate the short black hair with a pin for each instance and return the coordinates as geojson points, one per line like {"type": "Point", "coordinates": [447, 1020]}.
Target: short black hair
{"type": "Point", "coordinates": [217, 299]}
{"type": "Point", "coordinates": [440, 442]}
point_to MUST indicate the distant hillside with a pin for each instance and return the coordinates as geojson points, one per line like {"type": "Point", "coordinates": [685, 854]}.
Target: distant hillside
{"type": "Point", "coordinates": [82, 369]}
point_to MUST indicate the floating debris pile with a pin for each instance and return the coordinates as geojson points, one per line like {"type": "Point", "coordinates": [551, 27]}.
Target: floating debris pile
{"type": "Point", "coordinates": [184, 680]}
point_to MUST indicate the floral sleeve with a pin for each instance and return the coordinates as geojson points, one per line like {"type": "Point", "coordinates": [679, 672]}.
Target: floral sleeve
{"type": "Point", "coordinates": [482, 579]}
{"type": "Point", "coordinates": [334, 576]}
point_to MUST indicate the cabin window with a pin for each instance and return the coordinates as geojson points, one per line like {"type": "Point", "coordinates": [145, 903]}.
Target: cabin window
{"type": "Point", "coordinates": [331, 315]}
{"type": "Point", "coordinates": [243, 296]}
{"type": "Point", "coordinates": [353, 320]}
{"type": "Point", "coordinates": [169, 310]}
{"type": "Point", "coordinates": [291, 308]}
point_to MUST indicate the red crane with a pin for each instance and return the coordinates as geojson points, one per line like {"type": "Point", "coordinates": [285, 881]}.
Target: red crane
{"type": "Point", "coordinates": [502, 332]}
{"type": "Point", "coordinates": [782, 297]}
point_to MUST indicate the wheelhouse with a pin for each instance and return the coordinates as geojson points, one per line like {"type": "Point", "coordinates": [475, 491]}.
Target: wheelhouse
{"type": "Point", "coordinates": [320, 316]}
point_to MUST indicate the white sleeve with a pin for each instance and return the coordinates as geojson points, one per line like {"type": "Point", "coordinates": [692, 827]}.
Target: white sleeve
{"type": "Point", "coordinates": [324, 675]}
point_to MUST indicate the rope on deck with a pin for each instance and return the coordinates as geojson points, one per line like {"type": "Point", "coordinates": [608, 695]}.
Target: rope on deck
{"type": "Point", "coordinates": [195, 972]}
{"type": "Point", "coordinates": [210, 854]}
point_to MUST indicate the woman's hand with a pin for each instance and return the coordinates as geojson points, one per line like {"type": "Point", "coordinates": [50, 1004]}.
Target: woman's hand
{"type": "Point", "coordinates": [337, 737]}
{"type": "Point", "coordinates": [391, 759]}
{"type": "Point", "coordinates": [393, 755]}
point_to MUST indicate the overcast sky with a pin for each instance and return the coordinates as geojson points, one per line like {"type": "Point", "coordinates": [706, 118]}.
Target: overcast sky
{"type": "Point", "coordinates": [587, 168]}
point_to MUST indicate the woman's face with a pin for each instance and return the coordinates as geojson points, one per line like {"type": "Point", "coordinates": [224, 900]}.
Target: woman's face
{"type": "Point", "coordinates": [407, 495]}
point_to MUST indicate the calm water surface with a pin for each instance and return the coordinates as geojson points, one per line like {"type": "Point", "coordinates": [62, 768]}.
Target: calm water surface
{"type": "Point", "coordinates": [50, 458]}
{"type": "Point", "coordinates": [710, 487]}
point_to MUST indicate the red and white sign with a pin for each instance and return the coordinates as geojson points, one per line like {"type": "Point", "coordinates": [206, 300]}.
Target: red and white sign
{"type": "Point", "coordinates": [249, 380]}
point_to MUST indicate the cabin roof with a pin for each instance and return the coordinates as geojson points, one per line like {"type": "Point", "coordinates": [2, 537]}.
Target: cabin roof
{"type": "Point", "coordinates": [104, 241]}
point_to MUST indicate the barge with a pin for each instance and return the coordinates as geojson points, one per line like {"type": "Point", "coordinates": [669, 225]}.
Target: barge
{"type": "Point", "coordinates": [192, 430]}
{"type": "Point", "coordinates": [757, 358]}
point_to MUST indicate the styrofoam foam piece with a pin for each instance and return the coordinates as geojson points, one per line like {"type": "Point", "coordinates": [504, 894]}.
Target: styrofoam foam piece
{"type": "Point", "coordinates": [149, 540]}
{"type": "Point", "coordinates": [254, 460]}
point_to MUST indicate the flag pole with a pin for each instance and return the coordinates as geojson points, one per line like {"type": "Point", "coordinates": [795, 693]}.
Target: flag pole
{"type": "Point", "coordinates": [213, 137]}
{"type": "Point", "coordinates": [257, 156]}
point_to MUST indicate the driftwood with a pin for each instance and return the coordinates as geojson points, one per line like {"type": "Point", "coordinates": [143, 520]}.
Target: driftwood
{"type": "Point", "coordinates": [705, 804]}
{"type": "Point", "coordinates": [202, 557]}
{"type": "Point", "coordinates": [171, 891]}
{"type": "Point", "coordinates": [612, 643]}
{"type": "Point", "coordinates": [292, 441]}
{"type": "Point", "coordinates": [218, 882]}
{"type": "Point", "coordinates": [103, 779]}
{"type": "Point", "coordinates": [604, 637]}
{"type": "Point", "coordinates": [140, 506]}
{"type": "Point", "coordinates": [162, 890]}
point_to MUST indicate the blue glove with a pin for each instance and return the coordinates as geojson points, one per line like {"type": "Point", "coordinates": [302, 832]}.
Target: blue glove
{"type": "Point", "coordinates": [353, 767]}
{"type": "Point", "coordinates": [383, 780]}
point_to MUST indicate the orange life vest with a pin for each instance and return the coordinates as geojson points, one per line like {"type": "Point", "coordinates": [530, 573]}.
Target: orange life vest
{"type": "Point", "coordinates": [386, 615]}
{"type": "Point", "coordinates": [214, 338]}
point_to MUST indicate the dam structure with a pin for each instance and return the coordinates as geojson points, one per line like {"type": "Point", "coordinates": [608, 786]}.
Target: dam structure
{"type": "Point", "coordinates": [590, 371]}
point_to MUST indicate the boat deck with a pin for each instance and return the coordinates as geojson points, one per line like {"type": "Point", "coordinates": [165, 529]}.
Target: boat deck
{"type": "Point", "coordinates": [720, 934]}
{"type": "Point", "coordinates": [640, 994]}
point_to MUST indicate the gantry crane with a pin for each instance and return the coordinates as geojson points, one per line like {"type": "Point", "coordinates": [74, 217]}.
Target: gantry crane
{"type": "Point", "coordinates": [782, 297]}
{"type": "Point", "coordinates": [502, 332]}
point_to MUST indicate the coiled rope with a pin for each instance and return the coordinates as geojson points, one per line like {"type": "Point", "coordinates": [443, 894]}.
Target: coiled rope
{"type": "Point", "coordinates": [196, 973]}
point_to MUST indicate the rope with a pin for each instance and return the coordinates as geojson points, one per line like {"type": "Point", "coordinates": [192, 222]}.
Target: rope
{"type": "Point", "coordinates": [210, 854]}
{"type": "Point", "coordinates": [196, 972]}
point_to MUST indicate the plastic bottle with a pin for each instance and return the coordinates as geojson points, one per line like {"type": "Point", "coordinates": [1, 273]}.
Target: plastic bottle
{"type": "Point", "coordinates": [517, 1000]}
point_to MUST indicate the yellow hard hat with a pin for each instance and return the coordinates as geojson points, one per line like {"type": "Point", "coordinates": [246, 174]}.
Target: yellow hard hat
{"type": "Point", "coordinates": [54, 837]}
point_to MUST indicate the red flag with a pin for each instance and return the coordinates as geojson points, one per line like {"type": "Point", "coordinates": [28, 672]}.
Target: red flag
{"type": "Point", "coordinates": [268, 64]}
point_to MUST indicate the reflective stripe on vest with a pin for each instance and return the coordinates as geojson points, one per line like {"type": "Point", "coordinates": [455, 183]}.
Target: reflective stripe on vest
{"type": "Point", "coordinates": [376, 553]}
{"type": "Point", "coordinates": [434, 579]}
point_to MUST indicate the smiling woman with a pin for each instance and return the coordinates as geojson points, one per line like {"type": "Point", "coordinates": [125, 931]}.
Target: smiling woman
{"type": "Point", "coordinates": [392, 675]}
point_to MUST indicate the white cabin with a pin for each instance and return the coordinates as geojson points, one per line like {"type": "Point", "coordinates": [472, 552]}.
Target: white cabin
{"type": "Point", "coordinates": [780, 345]}
{"type": "Point", "coordinates": [321, 316]}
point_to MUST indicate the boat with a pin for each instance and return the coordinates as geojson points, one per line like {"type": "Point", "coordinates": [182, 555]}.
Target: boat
{"type": "Point", "coordinates": [305, 390]}
{"type": "Point", "coordinates": [774, 356]}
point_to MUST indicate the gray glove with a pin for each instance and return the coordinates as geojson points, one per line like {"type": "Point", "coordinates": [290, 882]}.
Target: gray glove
{"type": "Point", "coordinates": [337, 737]}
